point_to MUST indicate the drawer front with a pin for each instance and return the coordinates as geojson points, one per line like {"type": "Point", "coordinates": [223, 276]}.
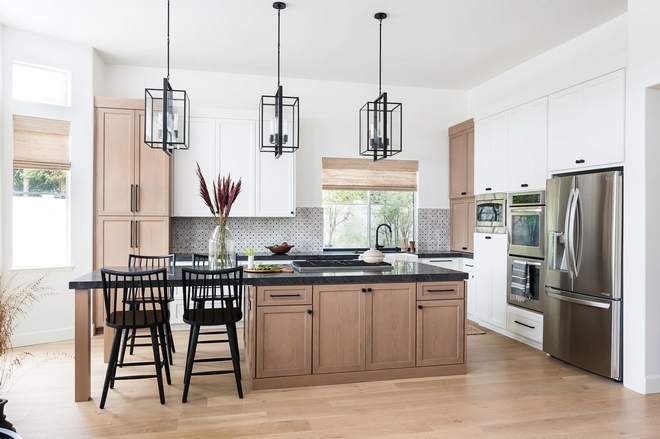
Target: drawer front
{"type": "Point", "coordinates": [524, 323]}
{"type": "Point", "coordinates": [440, 290]}
{"type": "Point", "coordinates": [284, 295]}
{"type": "Point", "coordinates": [440, 262]}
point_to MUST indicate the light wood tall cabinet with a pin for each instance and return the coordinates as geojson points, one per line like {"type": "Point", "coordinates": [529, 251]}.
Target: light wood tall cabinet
{"type": "Point", "coordinates": [461, 186]}
{"type": "Point", "coordinates": [131, 188]}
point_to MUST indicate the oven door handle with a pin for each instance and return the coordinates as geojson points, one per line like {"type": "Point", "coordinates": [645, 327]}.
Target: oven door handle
{"type": "Point", "coordinates": [537, 264]}
{"type": "Point", "coordinates": [517, 210]}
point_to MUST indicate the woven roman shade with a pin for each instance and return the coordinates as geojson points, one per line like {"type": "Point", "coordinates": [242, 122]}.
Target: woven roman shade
{"type": "Point", "coordinates": [367, 175]}
{"type": "Point", "coordinates": [41, 143]}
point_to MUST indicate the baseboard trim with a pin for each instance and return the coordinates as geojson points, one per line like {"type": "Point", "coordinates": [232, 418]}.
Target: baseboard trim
{"type": "Point", "coordinates": [40, 337]}
{"type": "Point", "coordinates": [652, 384]}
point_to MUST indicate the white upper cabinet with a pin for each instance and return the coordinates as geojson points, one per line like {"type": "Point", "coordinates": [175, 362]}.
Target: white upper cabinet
{"type": "Point", "coordinates": [528, 128]}
{"type": "Point", "coordinates": [276, 182]}
{"type": "Point", "coordinates": [586, 124]}
{"type": "Point", "coordinates": [229, 146]}
{"type": "Point", "coordinates": [185, 191]}
{"type": "Point", "coordinates": [490, 154]}
{"type": "Point", "coordinates": [236, 155]}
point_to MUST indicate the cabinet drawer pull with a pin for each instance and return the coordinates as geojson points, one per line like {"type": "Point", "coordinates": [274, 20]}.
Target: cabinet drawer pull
{"type": "Point", "coordinates": [489, 189]}
{"type": "Point", "coordinates": [464, 248]}
{"type": "Point", "coordinates": [468, 265]}
{"type": "Point", "coordinates": [520, 323]}
{"type": "Point", "coordinates": [441, 260]}
{"type": "Point", "coordinates": [284, 295]}
{"type": "Point", "coordinates": [579, 161]}
{"type": "Point", "coordinates": [440, 291]}
{"type": "Point", "coordinates": [524, 185]}
{"type": "Point", "coordinates": [487, 237]}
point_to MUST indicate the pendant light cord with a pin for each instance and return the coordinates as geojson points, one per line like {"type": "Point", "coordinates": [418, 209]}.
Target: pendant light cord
{"type": "Point", "coordinates": [278, 48]}
{"type": "Point", "coordinates": [168, 40]}
{"type": "Point", "coordinates": [380, 55]}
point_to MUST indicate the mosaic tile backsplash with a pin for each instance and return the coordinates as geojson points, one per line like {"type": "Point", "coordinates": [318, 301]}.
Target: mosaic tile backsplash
{"type": "Point", "coordinates": [305, 231]}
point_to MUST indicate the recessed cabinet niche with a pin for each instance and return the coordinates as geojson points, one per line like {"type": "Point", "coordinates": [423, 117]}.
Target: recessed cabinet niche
{"type": "Point", "coordinates": [229, 146]}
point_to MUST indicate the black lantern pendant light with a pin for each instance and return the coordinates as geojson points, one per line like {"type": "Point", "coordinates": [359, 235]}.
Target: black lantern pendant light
{"type": "Point", "coordinates": [167, 112]}
{"type": "Point", "coordinates": [279, 125]}
{"type": "Point", "coordinates": [380, 120]}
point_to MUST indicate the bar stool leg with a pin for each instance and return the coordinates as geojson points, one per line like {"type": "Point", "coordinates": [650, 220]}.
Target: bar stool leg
{"type": "Point", "coordinates": [233, 347]}
{"type": "Point", "coordinates": [112, 364]}
{"type": "Point", "coordinates": [158, 363]}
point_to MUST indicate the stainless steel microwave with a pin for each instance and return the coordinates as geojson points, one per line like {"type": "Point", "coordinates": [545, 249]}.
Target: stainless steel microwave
{"type": "Point", "coordinates": [490, 210]}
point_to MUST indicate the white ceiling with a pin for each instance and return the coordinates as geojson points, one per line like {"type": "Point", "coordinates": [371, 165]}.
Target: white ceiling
{"type": "Point", "coordinates": [454, 44]}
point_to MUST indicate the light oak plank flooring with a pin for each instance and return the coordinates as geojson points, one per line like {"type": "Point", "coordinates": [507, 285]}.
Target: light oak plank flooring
{"type": "Point", "coordinates": [511, 391]}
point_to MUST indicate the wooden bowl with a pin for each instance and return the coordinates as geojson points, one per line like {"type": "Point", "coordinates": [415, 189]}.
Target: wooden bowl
{"type": "Point", "coordinates": [280, 249]}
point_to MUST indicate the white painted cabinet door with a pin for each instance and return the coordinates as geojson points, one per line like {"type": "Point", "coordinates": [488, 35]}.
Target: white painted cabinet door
{"type": "Point", "coordinates": [187, 201]}
{"type": "Point", "coordinates": [490, 261]}
{"type": "Point", "coordinates": [481, 155]}
{"type": "Point", "coordinates": [565, 129]}
{"type": "Point", "coordinates": [276, 185]}
{"type": "Point", "coordinates": [537, 137]}
{"type": "Point", "coordinates": [236, 155]}
{"type": "Point", "coordinates": [604, 120]}
{"type": "Point", "coordinates": [499, 143]}
{"type": "Point", "coordinates": [518, 149]}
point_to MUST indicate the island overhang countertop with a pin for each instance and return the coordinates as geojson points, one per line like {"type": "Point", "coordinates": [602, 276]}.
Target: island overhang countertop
{"type": "Point", "coordinates": [401, 272]}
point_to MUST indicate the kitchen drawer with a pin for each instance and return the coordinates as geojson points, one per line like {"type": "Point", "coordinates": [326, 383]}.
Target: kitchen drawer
{"type": "Point", "coordinates": [440, 290]}
{"type": "Point", "coordinates": [526, 323]}
{"type": "Point", "coordinates": [284, 295]}
{"type": "Point", "coordinates": [467, 265]}
{"type": "Point", "coordinates": [450, 263]}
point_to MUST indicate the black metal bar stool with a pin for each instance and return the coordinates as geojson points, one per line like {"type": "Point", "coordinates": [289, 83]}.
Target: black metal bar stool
{"type": "Point", "coordinates": [136, 299]}
{"type": "Point", "coordinates": [151, 262]}
{"type": "Point", "coordinates": [212, 298]}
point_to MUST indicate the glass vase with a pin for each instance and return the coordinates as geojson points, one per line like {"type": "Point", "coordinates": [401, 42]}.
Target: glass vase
{"type": "Point", "coordinates": [222, 253]}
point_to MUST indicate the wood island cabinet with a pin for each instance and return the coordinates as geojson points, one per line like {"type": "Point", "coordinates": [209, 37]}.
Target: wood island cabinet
{"type": "Point", "coordinates": [331, 333]}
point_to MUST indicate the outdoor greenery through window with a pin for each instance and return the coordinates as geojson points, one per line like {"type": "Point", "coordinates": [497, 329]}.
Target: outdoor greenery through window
{"type": "Point", "coordinates": [351, 218]}
{"type": "Point", "coordinates": [40, 218]}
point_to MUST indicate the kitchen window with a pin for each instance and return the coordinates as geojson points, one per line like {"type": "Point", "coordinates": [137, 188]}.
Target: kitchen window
{"type": "Point", "coordinates": [350, 218]}
{"type": "Point", "coordinates": [41, 84]}
{"type": "Point", "coordinates": [40, 205]}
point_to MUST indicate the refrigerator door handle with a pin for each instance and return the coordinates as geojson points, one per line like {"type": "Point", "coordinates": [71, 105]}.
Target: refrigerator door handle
{"type": "Point", "coordinates": [568, 231]}
{"type": "Point", "coordinates": [585, 302]}
{"type": "Point", "coordinates": [577, 248]}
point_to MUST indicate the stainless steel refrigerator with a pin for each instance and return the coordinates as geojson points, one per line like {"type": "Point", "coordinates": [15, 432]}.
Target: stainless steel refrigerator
{"type": "Point", "coordinates": [582, 311]}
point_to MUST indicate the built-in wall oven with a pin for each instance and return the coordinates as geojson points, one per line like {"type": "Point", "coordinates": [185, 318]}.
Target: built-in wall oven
{"type": "Point", "coordinates": [490, 212]}
{"type": "Point", "coordinates": [526, 238]}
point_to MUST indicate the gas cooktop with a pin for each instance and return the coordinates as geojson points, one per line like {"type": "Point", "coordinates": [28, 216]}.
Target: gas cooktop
{"type": "Point", "coordinates": [339, 265]}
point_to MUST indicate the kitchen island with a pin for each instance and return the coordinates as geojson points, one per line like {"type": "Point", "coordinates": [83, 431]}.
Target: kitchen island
{"type": "Point", "coordinates": [329, 327]}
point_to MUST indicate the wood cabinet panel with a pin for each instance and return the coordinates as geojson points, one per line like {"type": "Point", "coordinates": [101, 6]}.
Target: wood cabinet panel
{"type": "Point", "coordinates": [115, 161]}
{"type": "Point", "coordinates": [472, 216]}
{"type": "Point", "coordinates": [284, 295]}
{"type": "Point", "coordinates": [461, 160]}
{"type": "Point", "coordinates": [461, 224]}
{"type": "Point", "coordinates": [153, 168]}
{"type": "Point", "coordinates": [283, 341]}
{"type": "Point", "coordinates": [440, 332]}
{"type": "Point", "coordinates": [152, 236]}
{"type": "Point", "coordinates": [338, 328]}
{"type": "Point", "coordinates": [470, 161]}
{"type": "Point", "coordinates": [440, 290]}
{"type": "Point", "coordinates": [390, 326]}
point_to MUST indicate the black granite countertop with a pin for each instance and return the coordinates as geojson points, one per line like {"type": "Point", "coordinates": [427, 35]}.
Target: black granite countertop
{"type": "Point", "coordinates": [402, 272]}
{"type": "Point", "coordinates": [339, 255]}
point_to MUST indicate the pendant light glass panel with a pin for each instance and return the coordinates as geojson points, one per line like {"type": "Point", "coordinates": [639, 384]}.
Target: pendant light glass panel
{"type": "Point", "coordinates": [279, 114]}
{"type": "Point", "coordinates": [380, 128]}
{"type": "Point", "coordinates": [169, 129]}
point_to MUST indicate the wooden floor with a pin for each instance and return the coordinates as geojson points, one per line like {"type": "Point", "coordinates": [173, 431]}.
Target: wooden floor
{"type": "Point", "coordinates": [510, 391]}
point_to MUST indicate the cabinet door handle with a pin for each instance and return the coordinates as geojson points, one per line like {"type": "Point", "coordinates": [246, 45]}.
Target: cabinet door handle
{"type": "Point", "coordinates": [489, 189]}
{"type": "Point", "coordinates": [524, 185]}
{"type": "Point", "coordinates": [419, 307]}
{"type": "Point", "coordinates": [137, 198]}
{"type": "Point", "coordinates": [579, 161]}
{"type": "Point", "coordinates": [440, 291]}
{"type": "Point", "coordinates": [309, 311]}
{"type": "Point", "coordinates": [487, 237]}
{"type": "Point", "coordinates": [441, 260]}
{"type": "Point", "coordinates": [137, 237]}
{"type": "Point", "coordinates": [131, 228]}
{"type": "Point", "coordinates": [520, 323]}
{"type": "Point", "coordinates": [284, 295]}
{"type": "Point", "coordinates": [464, 248]}
{"type": "Point", "coordinates": [463, 193]}
{"type": "Point", "coordinates": [369, 290]}
{"type": "Point", "coordinates": [364, 290]}
{"type": "Point", "coordinates": [468, 265]}
{"type": "Point", "coordinates": [131, 204]}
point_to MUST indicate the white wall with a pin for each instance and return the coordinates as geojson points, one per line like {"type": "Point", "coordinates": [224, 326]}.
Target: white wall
{"type": "Point", "coordinates": [3, 158]}
{"type": "Point", "coordinates": [328, 119]}
{"type": "Point", "coordinates": [642, 258]}
{"type": "Point", "coordinates": [52, 318]}
{"type": "Point", "coordinates": [601, 50]}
